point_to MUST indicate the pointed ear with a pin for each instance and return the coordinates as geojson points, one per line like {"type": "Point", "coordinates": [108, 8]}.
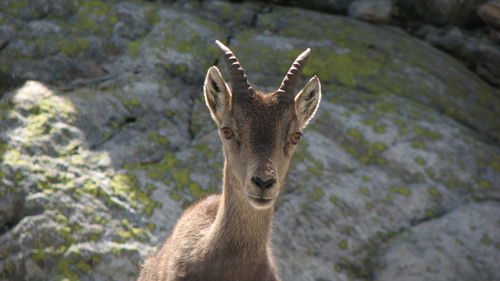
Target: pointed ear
{"type": "Point", "coordinates": [217, 94]}
{"type": "Point", "coordinates": [307, 101]}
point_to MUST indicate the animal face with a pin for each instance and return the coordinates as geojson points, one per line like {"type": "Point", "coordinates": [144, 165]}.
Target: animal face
{"type": "Point", "coordinates": [259, 132]}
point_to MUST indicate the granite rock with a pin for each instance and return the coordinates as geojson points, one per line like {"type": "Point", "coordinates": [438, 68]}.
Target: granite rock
{"type": "Point", "coordinates": [490, 13]}
{"type": "Point", "coordinates": [105, 139]}
{"type": "Point", "coordinates": [372, 11]}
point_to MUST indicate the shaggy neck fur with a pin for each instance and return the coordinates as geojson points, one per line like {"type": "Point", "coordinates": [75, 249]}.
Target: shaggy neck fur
{"type": "Point", "coordinates": [239, 228]}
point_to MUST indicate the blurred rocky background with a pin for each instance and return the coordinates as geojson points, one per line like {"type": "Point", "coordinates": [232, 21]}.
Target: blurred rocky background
{"type": "Point", "coordinates": [105, 138]}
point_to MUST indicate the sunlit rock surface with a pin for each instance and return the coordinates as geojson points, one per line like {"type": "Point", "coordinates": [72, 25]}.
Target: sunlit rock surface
{"type": "Point", "coordinates": [105, 139]}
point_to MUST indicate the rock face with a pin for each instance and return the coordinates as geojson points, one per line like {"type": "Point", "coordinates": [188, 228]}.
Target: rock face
{"type": "Point", "coordinates": [336, 6]}
{"type": "Point", "coordinates": [476, 45]}
{"type": "Point", "coordinates": [371, 11]}
{"type": "Point", "coordinates": [477, 20]}
{"type": "Point", "coordinates": [477, 52]}
{"type": "Point", "coordinates": [420, 250]}
{"type": "Point", "coordinates": [105, 139]}
{"type": "Point", "coordinates": [442, 12]}
{"type": "Point", "coordinates": [490, 13]}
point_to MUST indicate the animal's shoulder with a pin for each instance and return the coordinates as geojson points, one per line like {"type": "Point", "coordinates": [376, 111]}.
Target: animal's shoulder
{"type": "Point", "coordinates": [202, 212]}
{"type": "Point", "coordinates": [207, 206]}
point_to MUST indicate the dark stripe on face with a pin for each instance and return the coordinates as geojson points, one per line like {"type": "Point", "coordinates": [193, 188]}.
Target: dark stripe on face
{"type": "Point", "coordinates": [264, 136]}
{"type": "Point", "coordinates": [261, 122]}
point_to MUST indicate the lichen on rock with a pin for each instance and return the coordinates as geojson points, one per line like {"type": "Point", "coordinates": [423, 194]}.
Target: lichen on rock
{"type": "Point", "coordinates": [105, 139]}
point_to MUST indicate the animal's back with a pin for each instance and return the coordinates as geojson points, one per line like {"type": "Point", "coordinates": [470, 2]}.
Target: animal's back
{"type": "Point", "coordinates": [166, 264]}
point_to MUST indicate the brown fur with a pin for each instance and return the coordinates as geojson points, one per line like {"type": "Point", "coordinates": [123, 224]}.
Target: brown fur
{"type": "Point", "coordinates": [227, 237]}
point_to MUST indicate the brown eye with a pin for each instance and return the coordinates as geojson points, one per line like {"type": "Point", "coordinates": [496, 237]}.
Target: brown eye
{"type": "Point", "coordinates": [295, 137]}
{"type": "Point", "coordinates": [227, 132]}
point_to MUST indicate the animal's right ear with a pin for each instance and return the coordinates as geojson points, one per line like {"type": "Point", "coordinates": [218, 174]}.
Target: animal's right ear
{"type": "Point", "coordinates": [217, 94]}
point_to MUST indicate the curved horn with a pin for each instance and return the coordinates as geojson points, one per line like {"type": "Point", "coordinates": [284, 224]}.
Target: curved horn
{"type": "Point", "coordinates": [238, 78]}
{"type": "Point", "coordinates": [291, 79]}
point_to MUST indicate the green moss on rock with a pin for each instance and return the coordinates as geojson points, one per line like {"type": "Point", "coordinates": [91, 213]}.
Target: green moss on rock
{"type": "Point", "coordinates": [203, 147]}
{"type": "Point", "coordinates": [133, 48]}
{"type": "Point", "coordinates": [364, 191]}
{"type": "Point", "coordinates": [419, 160]}
{"type": "Point", "coordinates": [430, 214]}
{"type": "Point", "coordinates": [74, 47]}
{"type": "Point", "coordinates": [355, 134]}
{"type": "Point", "coordinates": [485, 184]}
{"type": "Point", "coordinates": [315, 170]}
{"type": "Point", "coordinates": [135, 233]}
{"type": "Point", "coordinates": [151, 226]}
{"type": "Point", "coordinates": [181, 177]}
{"type": "Point", "coordinates": [316, 194]}
{"type": "Point", "coordinates": [343, 245]}
{"type": "Point", "coordinates": [132, 102]}
{"type": "Point", "coordinates": [400, 190]}
{"type": "Point", "coordinates": [380, 146]}
{"type": "Point", "coordinates": [127, 185]}
{"type": "Point", "coordinates": [154, 136]}
{"type": "Point", "coordinates": [64, 267]}
{"type": "Point", "coordinates": [433, 191]}
{"type": "Point", "coordinates": [485, 240]}
{"type": "Point", "coordinates": [417, 144]}
{"type": "Point", "coordinates": [195, 190]}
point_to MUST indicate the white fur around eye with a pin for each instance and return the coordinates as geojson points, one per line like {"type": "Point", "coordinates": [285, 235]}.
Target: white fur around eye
{"type": "Point", "coordinates": [307, 101]}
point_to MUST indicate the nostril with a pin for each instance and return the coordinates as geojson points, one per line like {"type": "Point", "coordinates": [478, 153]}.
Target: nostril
{"type": "Point", "coordinates": [269, 183]}
{"type": "Point", "coordinates": [257, 181]}
{"type": "Point", "coordinates": [263, 184]}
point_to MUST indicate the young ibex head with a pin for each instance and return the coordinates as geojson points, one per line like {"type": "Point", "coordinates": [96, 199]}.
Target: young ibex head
{"type": "Point", "coordinates": [259, 130]}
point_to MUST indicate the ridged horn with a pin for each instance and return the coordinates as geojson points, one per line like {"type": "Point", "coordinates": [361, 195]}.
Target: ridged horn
{"type": "Point", "coordinates": [289, 83]}
{"type": "Point", "coordinates": [237, 76]}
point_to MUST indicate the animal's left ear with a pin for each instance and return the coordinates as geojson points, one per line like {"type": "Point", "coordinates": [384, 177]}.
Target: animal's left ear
{"type": "Point", "coordinates": [307, 101]}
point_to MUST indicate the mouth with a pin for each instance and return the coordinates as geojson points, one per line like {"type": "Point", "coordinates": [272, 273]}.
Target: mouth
{"type": "Point", "coordinates": [260, 202]}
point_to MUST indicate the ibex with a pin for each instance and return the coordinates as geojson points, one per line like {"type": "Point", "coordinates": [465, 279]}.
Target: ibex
{"type": "Point", "coordinates": [226, 237]}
